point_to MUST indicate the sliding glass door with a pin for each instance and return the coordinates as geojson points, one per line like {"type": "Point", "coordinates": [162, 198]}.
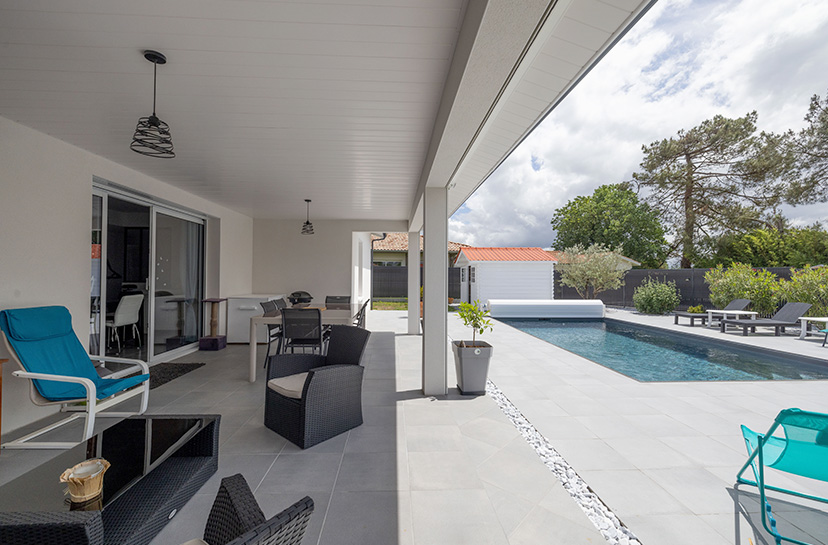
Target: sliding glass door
{"type": "Point", "coordinates": [178, 281]}
{"type": "Point", "coordinates": [147, 278]}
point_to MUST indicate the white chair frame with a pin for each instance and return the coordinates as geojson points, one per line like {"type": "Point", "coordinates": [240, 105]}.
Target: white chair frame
{"type": "Point", "coordinates": [94, 407]}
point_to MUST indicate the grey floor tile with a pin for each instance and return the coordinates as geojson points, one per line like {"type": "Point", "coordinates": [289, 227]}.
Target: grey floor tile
{"type": "Point", "coordinates": [433, 439]}
{"type": "Point", "coordinates": [442, 471]}
{"type": "Point", "coordinates": [632, 492]}
{"type": "Point", "coordinates": [367, 438]}
{"type": "Point", "coordinates": [303, 474]}
{"type": "Point", "coordinates": [373, 471]}
{"type": "Point", "coordinates": [585, 454]}
{"type": "Point", "coordinates": [675, 529]}
{"type": "Point", "coordinates": [540, 524]}
{"type": "Point", "coordinates": [459, 517]}
{"type": "Point", "coordinates": [364, 517]}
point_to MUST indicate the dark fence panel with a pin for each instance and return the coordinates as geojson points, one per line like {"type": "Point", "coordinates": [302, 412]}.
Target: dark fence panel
{"type": "Point", "coordinates": [392, 282]}
{"type": "Point", "coordinates": [692, 288]}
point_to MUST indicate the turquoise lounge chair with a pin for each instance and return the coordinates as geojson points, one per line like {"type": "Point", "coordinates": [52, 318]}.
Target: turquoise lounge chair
{"type": "Point", "coordinates": [803, 451]}
{"type": "Point", "coordinates": [42, 342]}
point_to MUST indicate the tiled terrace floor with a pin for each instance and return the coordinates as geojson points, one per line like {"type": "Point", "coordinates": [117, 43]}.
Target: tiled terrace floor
{"type": "Point", "coordinates": [662, 456]}
{"type": "Point", "coordinates": [449, 470]}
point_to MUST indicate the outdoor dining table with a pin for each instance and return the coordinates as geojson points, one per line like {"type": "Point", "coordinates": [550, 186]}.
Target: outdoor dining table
{"type": "Point", "coordinates": [341, 314]}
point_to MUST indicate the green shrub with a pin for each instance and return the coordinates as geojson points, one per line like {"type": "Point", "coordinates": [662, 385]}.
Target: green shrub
{"type": "Point", "coordinates": [698, 309]}
{"type": "Point", "coordinates": [654, 297]}
{"type": "Point", "coordinates": [741, 281]}
{"type": "Point", "coordinates": [807, 286]}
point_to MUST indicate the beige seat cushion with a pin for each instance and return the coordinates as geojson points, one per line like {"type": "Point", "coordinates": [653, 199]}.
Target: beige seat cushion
{"type": "Point", "coordinates": [196, 542]}
{"type": "Point", "coordinates": [289, 386]}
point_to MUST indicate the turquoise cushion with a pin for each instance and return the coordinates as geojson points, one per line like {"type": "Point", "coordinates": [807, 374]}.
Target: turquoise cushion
{"type": "Point", "coordinates": [43, 339]}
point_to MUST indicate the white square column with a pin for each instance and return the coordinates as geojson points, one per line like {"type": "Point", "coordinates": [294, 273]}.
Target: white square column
{"type": "Point", "coordinates": [413, 283]}
{"type": "Point", "coordinates": [435, 291]}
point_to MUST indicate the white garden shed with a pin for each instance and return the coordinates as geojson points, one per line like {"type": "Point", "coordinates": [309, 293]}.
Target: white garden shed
{"type": "Point", "coordinates": [505, 273]}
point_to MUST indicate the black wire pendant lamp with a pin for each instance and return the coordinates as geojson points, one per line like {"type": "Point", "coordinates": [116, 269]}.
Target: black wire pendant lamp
{"type": "Point", "coordinates": [152, 136]}
{"type": "Point", "coordinates": [307, 227]}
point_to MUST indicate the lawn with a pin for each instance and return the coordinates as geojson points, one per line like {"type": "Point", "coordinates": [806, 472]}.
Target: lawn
{"type": "Point", "coordinates": [390, 305]}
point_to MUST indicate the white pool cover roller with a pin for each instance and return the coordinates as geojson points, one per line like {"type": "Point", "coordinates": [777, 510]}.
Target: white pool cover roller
{"type": "Point", "coordinates": [545, 308]}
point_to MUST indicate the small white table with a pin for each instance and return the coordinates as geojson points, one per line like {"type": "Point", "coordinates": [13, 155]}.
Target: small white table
{"type": "Point", "coordinates": [330, 316]}
{"type": "Point", "coordinates": [803, 325]}
{"type": "Point", "coordinates": [729, 314]}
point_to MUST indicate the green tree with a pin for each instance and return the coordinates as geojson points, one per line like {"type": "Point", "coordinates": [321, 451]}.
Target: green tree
{"type": "Point", "coordinates": [589, 270]}
{"type": "Point", "coordinates": [792, 247]}
{"type": "Point", "coordinates": [714, 178]}
{"type": "Point", "coordinates": [614, 217]}
{"type": "Point", "coordinates": [809, 180]}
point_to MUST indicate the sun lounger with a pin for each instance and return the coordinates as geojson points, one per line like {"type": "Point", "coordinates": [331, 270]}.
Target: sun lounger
{"type": "Point", "coordinates": [734, 306]}
{"type": "Point", "coordinates": [787, 316]}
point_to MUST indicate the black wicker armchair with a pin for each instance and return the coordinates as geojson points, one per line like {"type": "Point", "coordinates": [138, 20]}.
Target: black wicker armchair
{"type": "Point", "coordinates": [310, 398]}
{"type": "Point", "coordinates": [237, 519]}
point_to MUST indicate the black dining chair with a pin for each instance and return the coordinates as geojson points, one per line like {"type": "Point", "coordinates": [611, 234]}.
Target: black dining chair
{"type": "Point", "coordinates": [338, 301]}
{"type": "Point", "coordinates": [301, 328]}
{"type": "Point", "coordinates": [274, 331]}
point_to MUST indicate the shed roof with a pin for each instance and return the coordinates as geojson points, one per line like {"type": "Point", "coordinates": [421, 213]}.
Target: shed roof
{"type": "Point", "coordinates": [506, 254]}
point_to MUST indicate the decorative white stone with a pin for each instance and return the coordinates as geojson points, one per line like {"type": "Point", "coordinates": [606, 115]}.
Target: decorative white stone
{"type": "Point", "coordinates": [604, 520]}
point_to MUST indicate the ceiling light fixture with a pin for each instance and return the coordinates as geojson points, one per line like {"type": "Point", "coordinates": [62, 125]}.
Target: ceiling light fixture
{"type": "Point", "coordinates": [152, 136]}
{"type": "Point", "coordinates": [307, 227]}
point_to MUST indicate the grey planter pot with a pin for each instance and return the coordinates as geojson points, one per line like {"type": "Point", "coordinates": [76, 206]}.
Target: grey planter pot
{"type": "Point", "coordinates": [472, 366]}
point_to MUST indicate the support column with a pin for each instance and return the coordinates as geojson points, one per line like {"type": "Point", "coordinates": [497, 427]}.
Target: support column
{"type": "Point", "coordinates": [413, 283]}
{"type": "Point", "coordinates": [435, 291]}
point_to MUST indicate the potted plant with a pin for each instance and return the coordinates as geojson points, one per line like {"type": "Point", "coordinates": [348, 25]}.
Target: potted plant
{"type": "Point", "coordinates": [471, 359]}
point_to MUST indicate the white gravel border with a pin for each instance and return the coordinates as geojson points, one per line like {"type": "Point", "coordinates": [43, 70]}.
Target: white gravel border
{"type": "Point", "coordinates": [607, 523]}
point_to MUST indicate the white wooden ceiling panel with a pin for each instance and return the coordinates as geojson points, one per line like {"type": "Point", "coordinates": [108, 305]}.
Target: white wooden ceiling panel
{"type": "Point", "coordinates": [583, 35]}
{"type": "Point", "coordinates": [555, 67]}
{"type": "Point", "coordinates": [268, 102]}
{"type": "Point", "coordinates": [597, 14]}
{"type": "Point", "coordinates": [271, 102]}
{"type": "Point", "coordinates": [562, 49]}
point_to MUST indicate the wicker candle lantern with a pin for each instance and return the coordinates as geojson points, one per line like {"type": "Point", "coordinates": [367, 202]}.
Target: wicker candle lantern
{"type": "Point", "coordinates": [85, 479]}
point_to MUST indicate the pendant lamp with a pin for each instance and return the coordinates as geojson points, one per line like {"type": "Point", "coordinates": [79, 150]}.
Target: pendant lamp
{"type": "Point", "coordinates": [307, 227]}
{"type": "Point", "coordinates": [152, 136]}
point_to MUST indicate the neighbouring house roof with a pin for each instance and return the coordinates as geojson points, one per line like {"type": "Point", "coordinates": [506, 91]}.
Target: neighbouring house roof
{"type": "Point", "coordinates": [505, 254]}
{"type": "Point", "coordinates": [398, 242]}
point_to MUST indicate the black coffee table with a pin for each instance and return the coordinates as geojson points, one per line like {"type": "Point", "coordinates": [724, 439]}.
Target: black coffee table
{"type": "Point", "coordinates": [157, 463]}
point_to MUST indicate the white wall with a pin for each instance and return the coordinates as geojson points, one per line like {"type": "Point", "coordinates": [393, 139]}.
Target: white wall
{"type": "Point", "coordinates": [322, 264]}
{"type": "Point", "coordinates": [513, 280]}
{"type": "Point", "coordinates": [45, 223]}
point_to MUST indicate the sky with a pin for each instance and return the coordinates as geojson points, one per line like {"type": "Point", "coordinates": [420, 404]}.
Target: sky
{"type": "Point", "coordinates": [683, 62]}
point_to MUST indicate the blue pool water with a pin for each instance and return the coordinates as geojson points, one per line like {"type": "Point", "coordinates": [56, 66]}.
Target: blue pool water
{"type": "Point", "coordinates": [650, 355]}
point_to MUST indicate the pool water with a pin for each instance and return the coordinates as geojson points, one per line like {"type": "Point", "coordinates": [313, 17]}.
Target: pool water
{"type": "Point", "coordinates": [651, 355]}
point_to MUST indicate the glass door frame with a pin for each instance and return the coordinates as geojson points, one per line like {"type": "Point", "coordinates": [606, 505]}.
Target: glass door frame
{"type": "Point", "coordinates": [101, 188]}
{"type": "Point", "coordinates": [186, 349]}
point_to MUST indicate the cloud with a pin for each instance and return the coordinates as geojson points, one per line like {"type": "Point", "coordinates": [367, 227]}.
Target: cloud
{"type": "Point", "coordinates": [684, 62]}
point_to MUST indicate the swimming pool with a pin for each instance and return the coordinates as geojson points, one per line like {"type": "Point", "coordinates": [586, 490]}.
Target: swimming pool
{"type": "Point", "coordinates": [652, 355]}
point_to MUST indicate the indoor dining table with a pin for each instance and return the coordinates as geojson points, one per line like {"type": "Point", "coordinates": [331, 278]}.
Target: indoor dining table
{"type": "Point", "coordinates": [340, 314]}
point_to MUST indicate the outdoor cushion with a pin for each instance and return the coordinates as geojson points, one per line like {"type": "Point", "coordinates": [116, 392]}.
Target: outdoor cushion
{"type": "Point", "coordinates": [289, 386]}
{"type": "Point", "coordinates": [32, 324]}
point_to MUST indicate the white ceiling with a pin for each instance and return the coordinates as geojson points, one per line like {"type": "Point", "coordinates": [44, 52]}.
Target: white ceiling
{"type": "Point", "coordinates": [272, 102]}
